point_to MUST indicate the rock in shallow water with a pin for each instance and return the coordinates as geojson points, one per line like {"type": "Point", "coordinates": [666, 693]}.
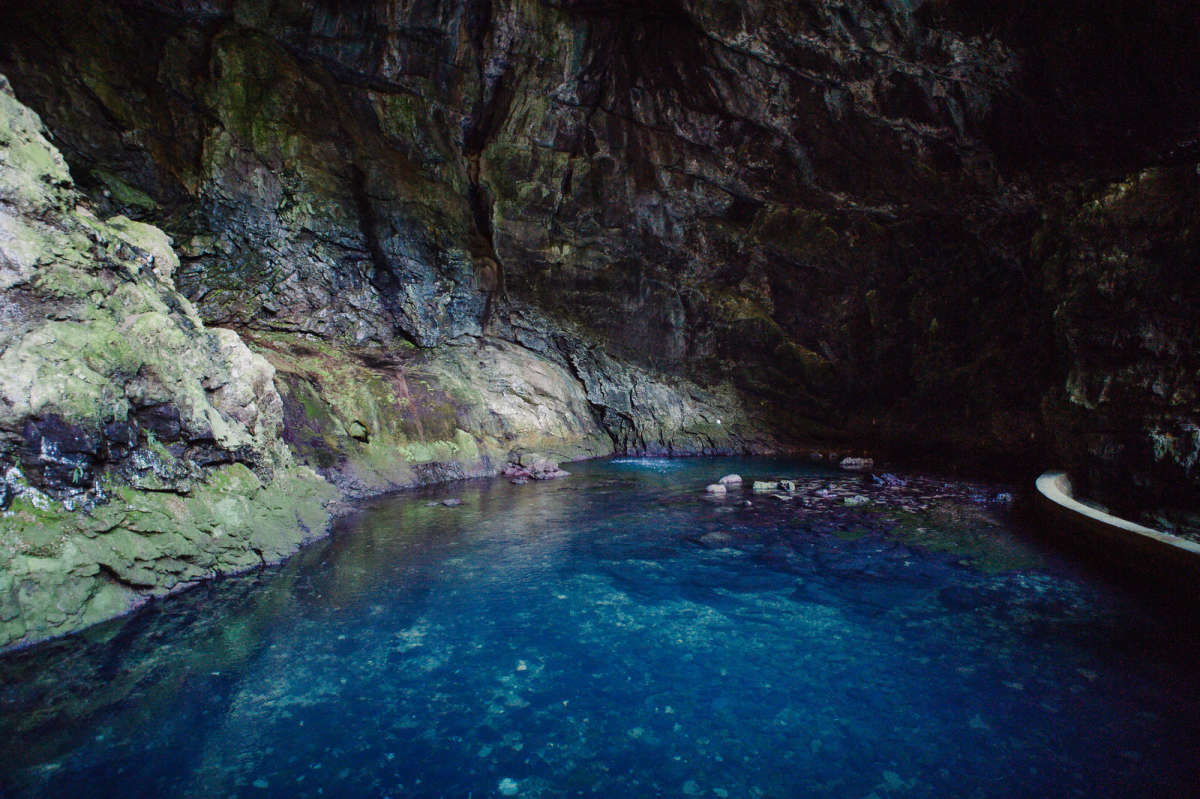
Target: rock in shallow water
{"type": "Point", "coordinates": [716, 540]}
{"type": "Point", "coordinates": [857, 464]}
{"type": "Point", "coordinates": [731, 480]}
{"type": "Point", "coordinates": [533, 467]}
{"type": "Point", "coordinates": [717, 489]}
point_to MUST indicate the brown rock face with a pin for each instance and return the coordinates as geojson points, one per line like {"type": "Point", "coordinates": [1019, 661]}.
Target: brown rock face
{"type": "Point", "coordinates": [898, 223]}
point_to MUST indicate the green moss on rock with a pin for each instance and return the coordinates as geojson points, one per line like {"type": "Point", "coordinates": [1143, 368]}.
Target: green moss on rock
{"type": "Point", "coordinates": [61, 571]}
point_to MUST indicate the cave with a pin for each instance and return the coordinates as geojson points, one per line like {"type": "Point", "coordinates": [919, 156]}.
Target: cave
{"type": "Point", "coordinates": [267, 266]}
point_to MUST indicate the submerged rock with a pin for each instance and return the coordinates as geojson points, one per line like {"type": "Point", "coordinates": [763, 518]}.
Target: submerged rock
{"type": "Point", "coordinates": [716, 540]}
{"type": "Point", "coordinates": [765, 485]}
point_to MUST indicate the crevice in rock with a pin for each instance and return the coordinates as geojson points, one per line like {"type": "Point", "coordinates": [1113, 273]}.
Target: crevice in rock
{"type": "Point", "coordinates": [496, 96]}
{"type": "Point", "coordinates": [110, 574]}
{"type": "Point", "coordinates": [383, 278]}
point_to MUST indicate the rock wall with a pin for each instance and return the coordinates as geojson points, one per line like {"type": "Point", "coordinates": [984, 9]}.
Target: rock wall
{"type": "Point", "coordinates": [827, 208]}
{"type": "Point", "coordinates": [1121, 266]}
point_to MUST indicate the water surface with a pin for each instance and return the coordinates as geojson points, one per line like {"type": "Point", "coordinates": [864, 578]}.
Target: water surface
{"type": "Point", "coordinates": [618, 634]}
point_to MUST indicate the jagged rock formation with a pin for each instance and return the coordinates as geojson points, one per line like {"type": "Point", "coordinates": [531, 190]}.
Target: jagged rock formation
{"type": "Point", "coordinates": [466, 228]}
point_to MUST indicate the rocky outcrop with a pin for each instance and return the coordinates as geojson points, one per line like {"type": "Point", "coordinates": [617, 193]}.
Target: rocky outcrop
{"type": "Point", "coordinates": [372, 420]}
{"type": "Point", "coordinates": [140, 450]}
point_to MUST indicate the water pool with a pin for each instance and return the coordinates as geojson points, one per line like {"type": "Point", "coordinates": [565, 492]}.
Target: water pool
{"type": "Point", "coordinates": [617, 633]}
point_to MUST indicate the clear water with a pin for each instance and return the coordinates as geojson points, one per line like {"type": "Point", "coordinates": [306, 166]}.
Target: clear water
{"type": "Point", "coordinates": [617, 634]}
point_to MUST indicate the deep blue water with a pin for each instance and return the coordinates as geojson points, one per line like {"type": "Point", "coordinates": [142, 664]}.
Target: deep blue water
{"type": "Point", "coordinates": [618, 634]}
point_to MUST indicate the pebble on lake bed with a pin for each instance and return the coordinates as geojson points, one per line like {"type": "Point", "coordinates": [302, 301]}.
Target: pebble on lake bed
{"type": "Point", "coordinates": [509, 787]}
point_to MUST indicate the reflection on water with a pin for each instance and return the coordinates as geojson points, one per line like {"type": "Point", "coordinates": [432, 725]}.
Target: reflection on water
{"type": "Point", "coordinates": [617, 633]}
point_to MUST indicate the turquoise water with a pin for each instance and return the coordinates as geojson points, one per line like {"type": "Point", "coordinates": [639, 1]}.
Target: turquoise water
{"type": "Point", "coordinates": [619, 634]}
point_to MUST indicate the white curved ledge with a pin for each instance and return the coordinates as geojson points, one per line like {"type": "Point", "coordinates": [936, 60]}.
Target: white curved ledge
{"type": "Point", "coordinates": [1055, 487]}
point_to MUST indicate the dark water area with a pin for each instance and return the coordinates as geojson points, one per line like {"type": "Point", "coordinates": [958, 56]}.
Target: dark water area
{"type": "Point", "coordinates": [617, 633]}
